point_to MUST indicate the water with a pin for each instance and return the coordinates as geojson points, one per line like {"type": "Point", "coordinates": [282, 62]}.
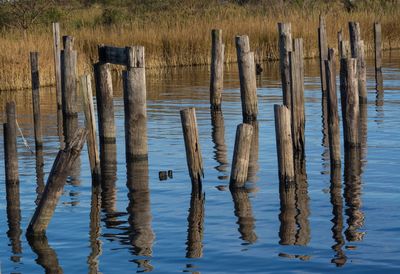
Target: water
{"type": "Point", "coordinates": [240, 232]}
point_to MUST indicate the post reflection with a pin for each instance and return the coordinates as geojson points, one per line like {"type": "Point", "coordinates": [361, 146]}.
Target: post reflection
{"type": "Point", "coordinates": [253, 160]}
{"type": "Point", "coordinates": [352, 194]}
{"type": "Point", "coordinates": [94, 234]}
{"type": "Point", "coordinates": [337, 220]}
{"type": "Point", "coordinates": [140, 232]}
{"type": "Point", "coordinates": [108, 165]}
{"type": "Point", "coordinates": [194, 242]}
{"type": "Point", "coordinates": [244, 213]}
{"type": "Point", "coordinates": [294, 201]}
{"type": "Point", "coordinates": [218, 137]}
{"type": "Point", "coordinates": [14, 220]}
{"type": "Point", "coordinates": [325, 136]}
{"type": "Point", "coordinates": [46, 256]}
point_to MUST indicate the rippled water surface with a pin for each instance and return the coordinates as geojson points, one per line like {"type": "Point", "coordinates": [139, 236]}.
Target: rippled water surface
{"type": "Point", "coordinates": [354, 226]}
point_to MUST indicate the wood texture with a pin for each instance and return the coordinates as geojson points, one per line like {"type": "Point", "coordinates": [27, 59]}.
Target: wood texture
{"type": "Point", "coordinates": [10, 145]}
{"type": "Point", "coordinates": [285, 46]}
{"type": "Point", "coordinates": [241, 155]}
{"type": "Point", "coordinates": [323, 50]}
{"type": "Point", "coordinates": [192, 145]}
{"type": "Point", "coordinates": [378, 52]}
{"type": "Point", "coordinates": [217, 69]}
{"type": "Point", "coordinates": [57, 75]}
{"type": "Point", "coordinates": [134, 80]}
{"type": "Point", "coordinates": [284, 143]}
{"type": "Point", "coordinates": [37, 123]}
{"type": "Point", "coordinates": [55, 183]}
{"type": "Point", "coordinates": [247, 76]}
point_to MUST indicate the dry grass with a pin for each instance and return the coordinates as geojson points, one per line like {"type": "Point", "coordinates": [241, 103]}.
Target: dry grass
{"type": "Point", "coordinates": [177, 38]}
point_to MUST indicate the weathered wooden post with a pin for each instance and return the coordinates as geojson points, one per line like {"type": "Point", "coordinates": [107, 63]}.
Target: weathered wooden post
{"type": "Point", "coordinates": [247, 75]}
{"type": "Point", "coordinates": [340, 39]}
{"type": "Point", "coordinates": [192, 145]}
{"type": "Point", "coordinates": [254, 151]}
{"type": "Point", "coordinates": [378, 55]}
{"type": "Point", "coordinates": [297, 98]}
{"type": "Point", "coordinates": [284, 143]}
{"type": "Point", "coordinates": [55, 183]}
{"type": "Point", "coordinates": [217, 69]}
{"type": "Point", "coordinates": [57, 75]}
{"type": "Point", "coordinates": [90, 124]}
{"type": "Point", "coordinates": [69, 88]}
{"type": "Point", "coordinates": [241, 155]}
{"type": "Point", "coordinates": [10, 146]}
{"type": "Point", "coordinates": [349, 100]}
{"type": "Point", "coordinates": [134, 79]}
{"type": "Point", "coordinates": [285, 46]}
{"type": "Point", "coordinates": [333, 116]}
{"type": "Point", "coordinates": [357, 51]}
{"type": "Point", "coordinates": [344, 48]}
{"type": "Point", "coordinates": [323, 50]}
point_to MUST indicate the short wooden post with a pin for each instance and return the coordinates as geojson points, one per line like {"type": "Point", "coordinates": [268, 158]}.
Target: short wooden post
{"type": "Point", "coordinates": [247, 75]}
{"type": "Point", "coordinates": [57, 75]}
{"type": "Point", "coordinates": [55, 183]}
{"type": "Point", "coordinates": [69, 88]}
{"type": "Point", "coordinates": [355, 37]}
{"type": "Point", "coordinates": [241, 155]}
{"type": "Point", "coordinates": [192, 145]}
{"type": "Point", "coordinates": [378, 54]}
{"type": "Point", "coordinates": [333, 116]}
{"type": "Point", "coordinates": [349, 100]}
{"type": "Point", "coordinates": [90, 124]}
{"type": "Point", "coordinates": [10, 145]}
{"type": "Point", "coordinates": [254, 152]}
{"type": "Point", "coordinates": [284, 143]}
{"type": "Point", "coordinates": [217, 69]}
{"type": "Point", "coordinates": [297, 98]}
{"type": "Point", "coordinates": [285, 46]}
{"type": "Point", "coordinates": [135, 106]}
{"type": "Point", "coordinates": [323, 50]}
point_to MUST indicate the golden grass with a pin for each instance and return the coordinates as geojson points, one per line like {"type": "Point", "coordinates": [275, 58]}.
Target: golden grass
{"type": "Point", "coordinates": [183, 37]}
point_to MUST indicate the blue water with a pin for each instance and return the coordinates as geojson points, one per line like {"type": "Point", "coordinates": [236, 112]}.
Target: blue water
{"type": "Point", "coordinates": [223, 248]}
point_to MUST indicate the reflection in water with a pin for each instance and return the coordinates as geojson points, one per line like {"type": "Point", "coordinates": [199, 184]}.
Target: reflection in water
{"type": "Point", "coordinates": [294, 200]}
{"type": "Point", "coordinates": [195, 223]}
{"type": "Point", "coordinates": [95, 243]}
{"type": "Point", "coordinates": [325, 136]}
{"type": "Point", "coordinates": [39, 174]}
{"type": "Point", "coordinates": [140, 233]}
{"type": "Point", "coordinates": [253, 160]}
{"type": "Point", "coordinates": [14, 219]}
{"type": "Point", "coordinates": [108, 165]}
{"type": "Point", "coordinates": [47, 257]}
{"type": "Point", "coordinates": [337, 211]}
{"type": "Point", "coordinates": [244, 213]}
{"type": "Point", "coordinates": [352, 194]}
{"type": "Point", "coordinates": [218, 137]}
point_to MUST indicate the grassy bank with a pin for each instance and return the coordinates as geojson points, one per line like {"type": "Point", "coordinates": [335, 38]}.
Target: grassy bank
{"type": "Point", "coordinates": [179, 34]}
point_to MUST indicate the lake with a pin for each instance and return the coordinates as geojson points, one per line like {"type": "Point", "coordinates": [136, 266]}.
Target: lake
{"type": "Point", "coordinates": [353, 228]}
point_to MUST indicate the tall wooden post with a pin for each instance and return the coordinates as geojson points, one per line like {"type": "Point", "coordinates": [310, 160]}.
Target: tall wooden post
{"type": "Point", "coordinates": [217, 69]}
{"type": "Point", "coordinates": [378, 55]}
{"type": "Point", "coordinates": [247, 75]}
{"type": "Point", "coordinates": [57, 75]}
{"type": "Point", "coordinates": [333, 116]}
{"type": "Point", "coordinates": [323, 50]}
{"type": "Point", "coordinates": [340, 39]}
{"type": "Point", "coordinates": [135, 106]}
{"type": "Point", "coordinates": [284, 143]}
{"type": "Point", "coordinates": [285, 46]}
{"type": "Point", "coordinates": [192, 145]}
{"type": "Point", "coordinates": [37, 123]}
{"type": "Point", "coordinates": [349, 100]}
{"type": "Point", "coordinates": [297, 98]}
{"type": "Point", "coordinates": [357, 51]}
{"type": "Point", "coordinates": [241, 155]}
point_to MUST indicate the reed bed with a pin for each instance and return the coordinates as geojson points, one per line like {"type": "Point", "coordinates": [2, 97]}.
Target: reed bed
{"type": "Point", "coordinates": [182, 37]}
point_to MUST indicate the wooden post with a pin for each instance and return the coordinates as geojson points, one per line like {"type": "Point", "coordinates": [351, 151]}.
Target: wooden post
{"type": "Point", "coordinates": [217, 69]}
{"type": "Point", "coordinates": [285, 46]}
{"type": "Point", "coordinates": [333, 116]}
{"type": "Point", "coordinates": [297, 98]}
{"type": "Point", "coordinates": [135, 106]}
{"type": "Point", "coordinates": [241, 155]}
{"type": "Point", "coordinates": [247, 75]}
{"type": "Point", "coordinates": [254, 151]}
{"type": "Point", "coordinates": [340, 39]}
{"type": "Point", "coordinates": [57, 74]}
{"type": "Point", "coordinates": [90, 124]}
{"type": "Point", "coordinates": [362, 74]}
{"type": "Point", "coordinates": [355, 37]}
{"type": "Point", "coordinates": [378, 54]}
{"type": "Point", "coordinates": [323, 50]}
{"type": "Point", "coordinates": [55, 183]}
{"type": "Point", "coordinates": [69, 88]}
{"type": "Point", "coordinates": [284, 143]}
{"type": "Point", "coordinates": [345, 51]}
{"type": "Point", "coordinates": [37, 123]}
{"type": "Point", "coordinates": [192, 145]}
{"type": "Point", "coordinates": [10, 145]}
{"type": "Point", "coordinates": [349, 100]}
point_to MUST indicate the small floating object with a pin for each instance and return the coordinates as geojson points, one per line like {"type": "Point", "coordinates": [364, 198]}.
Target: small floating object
{"type": "Point", "coordinates": [163, 175]}
{"type": "Point", "coordinates": [221, 187]}
{"type": "Point", "coordinates": [170, 174]}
